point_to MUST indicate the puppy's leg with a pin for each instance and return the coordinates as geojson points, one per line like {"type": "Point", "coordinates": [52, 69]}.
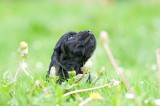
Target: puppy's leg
{"type": "Point", "coordinates": [89, 78]}
{"type": "Point", "coordinates": [63, 75]}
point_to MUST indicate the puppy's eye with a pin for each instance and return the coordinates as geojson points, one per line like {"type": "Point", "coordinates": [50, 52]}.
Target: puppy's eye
{"type": "Point", "coordinates": [70, 38]}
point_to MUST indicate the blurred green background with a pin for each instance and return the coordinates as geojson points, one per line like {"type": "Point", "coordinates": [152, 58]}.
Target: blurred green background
{"type": "Point", "coordinates": [133, 27]}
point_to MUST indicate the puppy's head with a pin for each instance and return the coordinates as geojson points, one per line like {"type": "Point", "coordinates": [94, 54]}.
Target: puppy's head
{"type": "Point", "coordinates": [79, 36]}
{"type": "Point", "coordinates": [80, 44]}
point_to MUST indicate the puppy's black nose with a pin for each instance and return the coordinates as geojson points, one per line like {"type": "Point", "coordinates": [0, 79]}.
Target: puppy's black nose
{"type": "Point", "coordinates": [90, 32]}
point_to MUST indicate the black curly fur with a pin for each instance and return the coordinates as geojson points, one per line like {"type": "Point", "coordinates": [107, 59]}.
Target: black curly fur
{"type": "Point", "coordinates": [71, 52]}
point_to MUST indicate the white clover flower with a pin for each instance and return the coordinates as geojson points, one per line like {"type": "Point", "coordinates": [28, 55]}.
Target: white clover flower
{"type": "Point", "coordinates": [85, 70]}
{"type": "Point", "coordinates": [53, 72]}
{"type": "Point", "coordinates": [129, 96]}
{"type": "Point", "coordinates": [115, 82]}
{"type": "Point", "coordinates": [23, 45]}
{"type": "Point", "coordinates": [23, 49]}
{"type": "Point", "coordinates": [101, 72]}
{"type": "Point", "coordinates": [22, 54]}
{"type": "Point", "coordinates": [104, 36]}
{"type": "Point", "coordinates": [25, 52]}
{"type": "Point", "coordinates": [157, 102]}
{"type": "Point", "coordinates": [88, 64]}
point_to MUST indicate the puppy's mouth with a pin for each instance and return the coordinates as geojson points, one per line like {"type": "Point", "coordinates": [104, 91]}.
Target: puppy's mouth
{"type": "Point", "coordinates": [83, 35]}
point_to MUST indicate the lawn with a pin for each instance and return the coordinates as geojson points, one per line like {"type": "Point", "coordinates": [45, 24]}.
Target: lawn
{"type": "Point", "coordinates": [134, 35]}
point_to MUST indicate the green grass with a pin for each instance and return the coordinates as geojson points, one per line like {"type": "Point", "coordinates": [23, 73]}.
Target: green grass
{"type": "Point", "coordinates": [134, 32]}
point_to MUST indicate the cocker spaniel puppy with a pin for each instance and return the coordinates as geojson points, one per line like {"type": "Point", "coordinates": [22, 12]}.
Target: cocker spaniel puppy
{"type": "Point", "coordinates": [71, 52]}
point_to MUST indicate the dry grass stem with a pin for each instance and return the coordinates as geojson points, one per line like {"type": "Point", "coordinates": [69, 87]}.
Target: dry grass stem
{"type": "Point", "coordinates": [116, 67]}
{"type": "Point", "coordinates": [23, 68]}
{"type": "Point", "coordinates": [19, 68]}
{"type": "Point", "coordinates": [89, 89]}
{"type": "Point", "coordinates": [17, 72]}
{"type": "Point", "coordinates": [38, 82]}
{"type": "Point", "coordinates": [158, 64]}
{"type": "Point", "coordinates": [43, 87]}
{"type": "Point", "coordinates": [95, 80]}
{"type": "Point", "coordinates": [85, 102]}
{"type": "Point", "coordinates": [76, 81]}
{"type": "Point", "coordinates": [79, 97]}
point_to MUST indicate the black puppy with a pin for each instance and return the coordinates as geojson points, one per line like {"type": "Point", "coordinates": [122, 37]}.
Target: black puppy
{"type": "Point", "coordinates": [71, 52]}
